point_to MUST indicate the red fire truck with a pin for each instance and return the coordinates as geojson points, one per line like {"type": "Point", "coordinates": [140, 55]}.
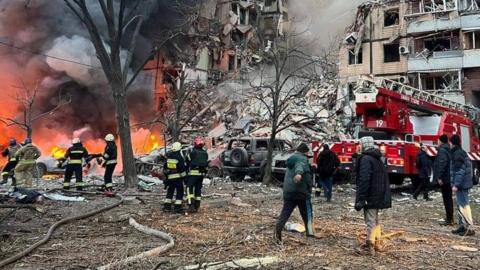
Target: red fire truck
{"type": "Point", "coordinates": [400, 117]}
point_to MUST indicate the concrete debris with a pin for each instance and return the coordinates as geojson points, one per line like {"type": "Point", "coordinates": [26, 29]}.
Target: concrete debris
{"type": "Point", "coordinates": [63, 198]}
{"type": "Point", "coordinates": [464, 248]}
{"type": "Point", "coordinates": [238, 202]}
{"type": "Point", "coordinates": [237, 264]}
{"type": "Point", "coordinates": [150, 180]}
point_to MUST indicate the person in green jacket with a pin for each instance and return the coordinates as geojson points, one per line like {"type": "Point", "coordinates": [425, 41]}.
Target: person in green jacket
{"type": "Point", "coordinates": [297, 189]}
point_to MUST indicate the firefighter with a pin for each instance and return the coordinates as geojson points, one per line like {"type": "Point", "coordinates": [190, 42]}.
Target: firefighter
{"type": "Point", "coordinates": [10, 152]}
{"type": "Point", "coordinates": [197, 163]}
{"type": "Point", "coordinates": [109, 161]}
{"type": "Point", "coordinates": [175, 172]}
{"type": "Point", "coordinates": [26, 156]}
{"type": "Point", "coordinates": [74, 158]}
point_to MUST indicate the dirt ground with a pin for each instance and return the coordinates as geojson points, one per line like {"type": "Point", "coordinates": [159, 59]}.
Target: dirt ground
{"type": "Point", "coordinates": [222, 232]}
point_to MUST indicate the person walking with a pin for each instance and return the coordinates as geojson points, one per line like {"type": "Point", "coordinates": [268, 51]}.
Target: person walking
{"type": "Point", "coordinates": [297, 188]}
{"type": "Point", "coordinates": [424, 167]}
{"type": "Point", "coordinates": [373, 190]}
{"type": "Point", "coordinates": [441, 175]}
{"type": "Point", "coordinates": [462, 182]}
{"type": "Point", "coordinates": [327, 164]}
{"type": "Point", "coordinates": [109, 161]}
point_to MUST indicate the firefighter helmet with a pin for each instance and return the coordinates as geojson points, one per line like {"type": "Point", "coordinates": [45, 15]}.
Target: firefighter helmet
{"type": "Point", "coordinates": [198, 142]}
{"type": "Point", "coordinates": [76, 140]}
{"type": "Point", "coordinates": [176, 147]}
{"type": "Point", "coordinates": [109, 138]}
{"type": "Point", "coordinates": [28, 141]}
{"type": "Point", "coordinates": [12, 142]}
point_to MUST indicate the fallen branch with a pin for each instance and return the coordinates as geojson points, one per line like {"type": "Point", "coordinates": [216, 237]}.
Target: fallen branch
{"type": "Point", "coordinates": [55, 226]}
{"type": "Point", "coordinates": [151, 253]}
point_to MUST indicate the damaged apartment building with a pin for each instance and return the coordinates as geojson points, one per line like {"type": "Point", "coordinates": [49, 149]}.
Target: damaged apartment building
{"type": "Point", "coordinates": [223, 41]}
{"type": "Point", "coordinates": [433, 45]}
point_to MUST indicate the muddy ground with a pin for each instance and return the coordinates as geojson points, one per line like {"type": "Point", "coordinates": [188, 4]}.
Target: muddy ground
{"type": "Point", "coordinates": [223, 232]}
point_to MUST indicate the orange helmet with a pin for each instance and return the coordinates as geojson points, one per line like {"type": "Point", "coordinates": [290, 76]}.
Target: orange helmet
{"type": "Point", "coordinates": [198, 142]}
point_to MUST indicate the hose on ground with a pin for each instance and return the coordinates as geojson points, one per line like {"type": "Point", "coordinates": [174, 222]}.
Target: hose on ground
{"type": "Point", "coordinates": [60, 223]}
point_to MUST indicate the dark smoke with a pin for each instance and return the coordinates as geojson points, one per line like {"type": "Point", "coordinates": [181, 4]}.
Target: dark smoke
{"type": "Point", "coordinates": [47, 27]}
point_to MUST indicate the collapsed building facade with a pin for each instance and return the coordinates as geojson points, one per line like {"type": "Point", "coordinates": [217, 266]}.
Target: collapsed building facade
{"type": "Point", "coordinates": [222, 42]}
{"type": "Point", "coordinates": [433, 45]}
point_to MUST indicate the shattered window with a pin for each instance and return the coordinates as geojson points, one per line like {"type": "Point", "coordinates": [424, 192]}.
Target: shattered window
{"type": "Point", "coordinates": [391, 53]}
{"type": "Point", "coordinates": [262, 145]}
{"type": "Point", "coordinates": [391, 17]}
{"type": "Point", "coordinates": [354, 59]}
{"type": "Point", "coordinates": [438, 44]}
{"type": "Point", "coordinates": [240, 144]}
{"type": "Point", "coordinates": [269, 3]}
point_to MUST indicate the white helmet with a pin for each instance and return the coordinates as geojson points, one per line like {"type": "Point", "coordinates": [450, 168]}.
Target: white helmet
{"type": "Point", "coordinates": [109, 138]}
{"type": "Point", "coordinates": [176, 147]}
{"type": "Point", "coordinates": [76, 140]}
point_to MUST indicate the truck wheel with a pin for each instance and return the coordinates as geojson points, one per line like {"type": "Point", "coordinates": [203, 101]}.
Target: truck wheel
{"type": "Point", "coordinates": [396, 179]}
{"type": "Point", "coordinates": [239, 157]}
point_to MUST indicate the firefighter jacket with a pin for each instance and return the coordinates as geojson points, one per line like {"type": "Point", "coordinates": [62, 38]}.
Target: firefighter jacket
{"type": "Point", "coordinates": [197, 162]}
{"type": "Point", "coordinates": [75, 154]}
{"type": "Point", "coordinates": [110, 153]}
{"type": "Point", "coordinates": [174, 166]}
{"type": "Point", "coordinates": [10, 152]}
{"type": "Point", "coordinates": [28, 154]}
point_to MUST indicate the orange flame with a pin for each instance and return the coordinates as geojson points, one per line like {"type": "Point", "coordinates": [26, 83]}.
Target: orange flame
{"type": "Point", "coordinates": [58, 152]}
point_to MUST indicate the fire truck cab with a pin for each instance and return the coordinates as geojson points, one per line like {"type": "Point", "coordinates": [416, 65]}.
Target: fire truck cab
{"type": "Point", "coordinates": [400, 118]}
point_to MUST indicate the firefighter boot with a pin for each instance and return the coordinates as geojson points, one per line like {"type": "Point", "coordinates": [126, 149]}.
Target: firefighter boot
{"type": "Point", "coordinates": [191, 208]}
{"type": "Point", "coordinates": [167, 207]}
{"type": "Point", "coordinates": [197, 205]}
{"type": "Point", "coordinates": [178, 209]}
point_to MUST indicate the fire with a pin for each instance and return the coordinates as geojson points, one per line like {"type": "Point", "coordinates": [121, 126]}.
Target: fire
{"type": "Point", "coordinates": [58, 152]}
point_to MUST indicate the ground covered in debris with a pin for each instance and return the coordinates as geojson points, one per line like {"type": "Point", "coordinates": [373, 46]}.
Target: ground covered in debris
{"type": "Point", "coordinates": [228, 230]}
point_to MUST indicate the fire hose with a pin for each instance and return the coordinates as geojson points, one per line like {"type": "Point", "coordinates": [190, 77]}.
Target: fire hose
{"type": "Point", "coordinates": [60, 223]}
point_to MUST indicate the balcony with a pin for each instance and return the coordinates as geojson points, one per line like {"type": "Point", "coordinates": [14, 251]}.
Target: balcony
{"type": "Point", "coordinates": [471, 58]}
{"type": "Point", "coordinates": [436, 61]}
{"type": "Point", "coordinates": [434, 25]}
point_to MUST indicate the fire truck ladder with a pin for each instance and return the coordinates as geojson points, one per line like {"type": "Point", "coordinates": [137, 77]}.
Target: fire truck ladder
{"type": "Point", "coordinates": [367, 85]}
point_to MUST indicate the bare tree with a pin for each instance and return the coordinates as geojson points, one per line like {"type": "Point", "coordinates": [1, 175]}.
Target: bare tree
{"type": "Point", "coordinates": [286, 74]}
{"type": "Point", "coordinates": [26, 98]}
{"type": "Point", "coordinates": [119, 20]}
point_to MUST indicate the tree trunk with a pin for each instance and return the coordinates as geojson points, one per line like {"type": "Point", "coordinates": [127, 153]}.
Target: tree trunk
{"type": "Point", "coordinates": [123, 120]}
{"type": "Point", "coordinates": [29, 132]}
{"type": "Point", "coordinates": [268, 178]}
{"type": "Point", "coordinates": [175, 130]}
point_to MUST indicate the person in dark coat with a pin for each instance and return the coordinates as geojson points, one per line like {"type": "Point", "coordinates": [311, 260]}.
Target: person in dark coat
{"type": "Point", "coordinates": [373, 190]}
{"type": "Point", "coordinates": [297, 188]}
{"type": "Point", "coordinates": [462, 182]}
{"type": "Point", "coordinates": [441, 175]}
{"type": "Point", "coordinates": [327, 164]}
{"type": "Point", "coordinates": [424, 167]}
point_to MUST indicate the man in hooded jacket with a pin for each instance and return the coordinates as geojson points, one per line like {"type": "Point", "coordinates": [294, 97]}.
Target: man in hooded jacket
{"type": "Point", "coordinates": [373, 190]}
{"type": "Point", "coordinates": [297, 189]}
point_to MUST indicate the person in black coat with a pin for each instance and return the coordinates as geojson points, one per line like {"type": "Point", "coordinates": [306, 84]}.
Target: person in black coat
{"type": "Point", "coordinates": [424, 167]}
{"type": "Point", "coordinates": [327, 164]}
{"type": "Point", "coordinates": [373, 189]}
{"type": "Point", "coordinates": [441, 175]}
